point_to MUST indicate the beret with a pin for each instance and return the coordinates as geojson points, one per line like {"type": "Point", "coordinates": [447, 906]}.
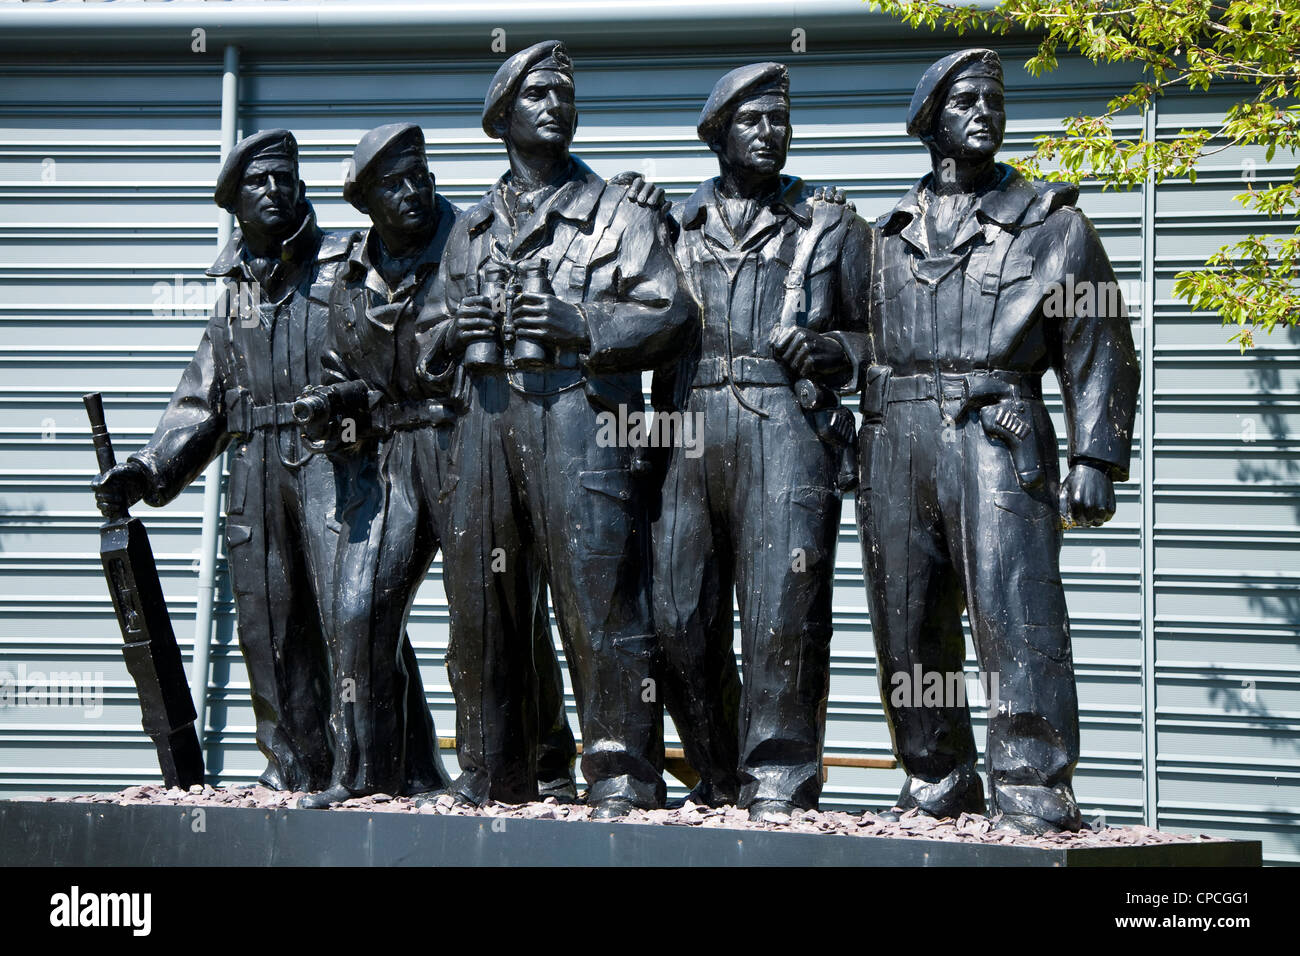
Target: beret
{"type": "Point", "coordinates": [268, 143]}
{"type": "Point", "coordinates": [372, 148]}
{"type": "Point", "coordinates": [547, 55]}
{"type": "Point", "coordinates": [934, 83]}
{"type": "Point", "coordinates": [733, 88]}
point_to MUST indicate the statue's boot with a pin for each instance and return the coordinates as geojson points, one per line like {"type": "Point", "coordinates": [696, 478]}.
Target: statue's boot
{"type": "Point", "coordinates": [270, 778]}
{"type": "Point", "coordinates": [708, 794]}
{"type": "Point", "coordinates": [771, 811]}
{"type": "Point", "coordinates": [1034, 808]}
{"type": "Point", "coordinates": [961, 791]}
{"type": "Point", "coordinates": [326, 798]}
{"type": "Point", "coordinates": [611, 808]}
{"type": "Point", "coordinates": [562, 789]}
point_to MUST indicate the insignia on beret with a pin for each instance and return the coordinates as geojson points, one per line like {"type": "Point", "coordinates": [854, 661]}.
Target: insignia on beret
{"type": "Point", "coordinates": [377, 143]}
{"type": "Point", "coordinates": [935, 80]}
{"type": "Point", "coordinates": [547, 55]}
{"type": "Point", "coordinates": [729, 91]}
{"type": "Point", "coordinates": [268, 144]}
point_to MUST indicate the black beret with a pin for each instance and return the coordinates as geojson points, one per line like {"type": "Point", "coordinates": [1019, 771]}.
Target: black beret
{"type": "Point", "coordinates": [934, 83]}
{"type": "Point", "coordinates": [547, 55]}
{"type": "Point", "coordinates": [269, 142]}
{"type": "Point", "coordinates": [371, 148]}
{"type": "Point", "coordinates": [733, 88]}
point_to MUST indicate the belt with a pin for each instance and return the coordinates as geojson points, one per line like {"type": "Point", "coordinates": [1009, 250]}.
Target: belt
{"type": "Point", "coordinates": [743, 370]}
{"type": "Point", "coordinates": [395, 416]}
{"type": "Point", "coordinates": [951, 386]}
{"type": "Point", "coordinates": [267, 416]}
{"type": "Point", "coordinates": [243, 418]}
{"type": "Point", "coordinates": [955, 392]}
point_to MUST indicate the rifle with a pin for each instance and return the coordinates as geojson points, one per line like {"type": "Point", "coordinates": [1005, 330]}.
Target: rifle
{"type": "Point", "coordinates": [152, 655]}
{"type": "Point", "coordinates": [832, 422]}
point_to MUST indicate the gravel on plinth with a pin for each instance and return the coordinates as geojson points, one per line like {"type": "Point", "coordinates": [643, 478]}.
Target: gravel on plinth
{"type": "Point", "coordinates": [968, 828]}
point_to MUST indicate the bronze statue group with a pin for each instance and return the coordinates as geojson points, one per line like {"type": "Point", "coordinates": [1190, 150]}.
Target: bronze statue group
{"type": "Point", "coordinates": [438, 381]}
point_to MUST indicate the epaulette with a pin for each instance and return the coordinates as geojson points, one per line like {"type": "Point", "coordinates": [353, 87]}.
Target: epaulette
{"type": "Point", "coordinates": [1051, 197]}
{"type": "Point", "coordinates": [479, 214]}
{"type": "Point", "coordinates": [336, 244]}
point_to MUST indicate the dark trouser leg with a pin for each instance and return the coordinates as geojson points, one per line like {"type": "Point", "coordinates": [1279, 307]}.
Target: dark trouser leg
{"type": "Point", "coordinates": [1011, 563]}
{"type": "Point", "coordinates": [786, 512]}
{"type": "Point", "coordinates": [386, 547]}
{"type": "Point", "coordinates": [424, 770]}
{"type": "Point", "coordinates": [915, 597]}
{"type": "Point", "coordinates": [556, 749]}
{"type": "Point", "coordinates": [693, 618]}
{"type": "Point", "coordinates": [279, 621]}
{"type": "Point", "coordinates": [491, 581]}
{"type": "Point", "coordinates": [594, 534]}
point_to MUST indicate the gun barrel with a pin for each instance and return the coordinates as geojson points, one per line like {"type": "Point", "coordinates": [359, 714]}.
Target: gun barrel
{"type": "Point", "coordinates": [94, 403]}
{"type": "Point", "coordinates": [310, 408]}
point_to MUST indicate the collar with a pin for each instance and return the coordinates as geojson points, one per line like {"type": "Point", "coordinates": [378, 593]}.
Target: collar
{"type": "Point", "coordinates": [1002, 204]}
{"type": "Point", "coordinates": [574, 199]}
{"type": "Point", "coordinates": [299, 248]}
{"type": "Point", "coordinates": [788, 202]}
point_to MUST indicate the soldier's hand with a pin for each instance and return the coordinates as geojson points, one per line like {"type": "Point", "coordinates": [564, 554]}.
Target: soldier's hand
{"type": "Point", "coordinates": [641, 192]}
{"type": "Point", "coordinates": [833, 194]}
{"type": "Point", "coordinates": [550, 320]}
{"type": "Point", "coordinates": [119, 488]}
{"type": "Point", "coordinates": [474, 319]}
{"type": "Point", "coordinates": [1088, 496]}
{"type": "Point", "coordinates": [806, 352]}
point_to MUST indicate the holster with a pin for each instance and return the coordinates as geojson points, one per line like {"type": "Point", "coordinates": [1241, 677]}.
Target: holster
{"type": "Point", "coordinates": [1009, 422]}
{"type": "Point", "coordinates": [834, 425]}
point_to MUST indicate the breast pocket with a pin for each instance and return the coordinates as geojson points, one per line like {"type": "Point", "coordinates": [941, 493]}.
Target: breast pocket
{"type": "Point", "coordinates": [1016, 269]}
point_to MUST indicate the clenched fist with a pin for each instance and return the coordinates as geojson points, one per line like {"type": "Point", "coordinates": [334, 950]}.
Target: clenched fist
{"type": "Point", "coordinates": [1088, 496]}
{"type": "Point", "coordinates": [474, 319]}
{"type": "Point", "coordinates": [808, 353]}
{"type": "Point", "coordinates": [119, 488]}
{"type": "Point", "coordinates": [549, 320]}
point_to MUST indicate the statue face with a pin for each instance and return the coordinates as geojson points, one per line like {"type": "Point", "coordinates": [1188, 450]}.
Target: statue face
{"type": "Point", "coordinates": [758, 135]}
{"type": "Point", "coordinates": [268, 195]}
{"type": "Point", "coordinates": [544, 116]}
{"type": "Point", "coordinates": [399, 195]}
{"type": "Point", "coordinates": [972, 121]}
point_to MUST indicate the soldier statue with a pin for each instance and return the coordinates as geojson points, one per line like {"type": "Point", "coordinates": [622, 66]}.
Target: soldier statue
{"type": "Point", "coordinates": [390, 430]}
{"type": "Point", "coordinates": [261, 348]}
{"type": "Point", "coordinates": [957, 503]}
{"type": "Point", "coordinates": [775, 269]}
{"type": "Point", "coordinates": [556, 290]}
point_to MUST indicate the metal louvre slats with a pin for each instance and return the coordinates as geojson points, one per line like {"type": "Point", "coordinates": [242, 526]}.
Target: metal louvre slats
{"type": "Point", "coordinates": [87, 256]}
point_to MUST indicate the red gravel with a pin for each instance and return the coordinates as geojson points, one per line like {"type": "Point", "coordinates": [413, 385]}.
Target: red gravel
{"type": "Point", "coordinates": [966, 828]}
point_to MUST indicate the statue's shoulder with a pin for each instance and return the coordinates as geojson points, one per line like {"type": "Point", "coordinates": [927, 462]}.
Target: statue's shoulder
{"type": "Point", "coordinates": [336, 244]}
{"type": "Point", "coordinates": [1053, 201]}
{"type": "Point", "coordinates": [476, 217]}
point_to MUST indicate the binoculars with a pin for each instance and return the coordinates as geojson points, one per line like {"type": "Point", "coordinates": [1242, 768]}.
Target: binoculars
{"type": "Point", "coordinates": [501, 283]}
